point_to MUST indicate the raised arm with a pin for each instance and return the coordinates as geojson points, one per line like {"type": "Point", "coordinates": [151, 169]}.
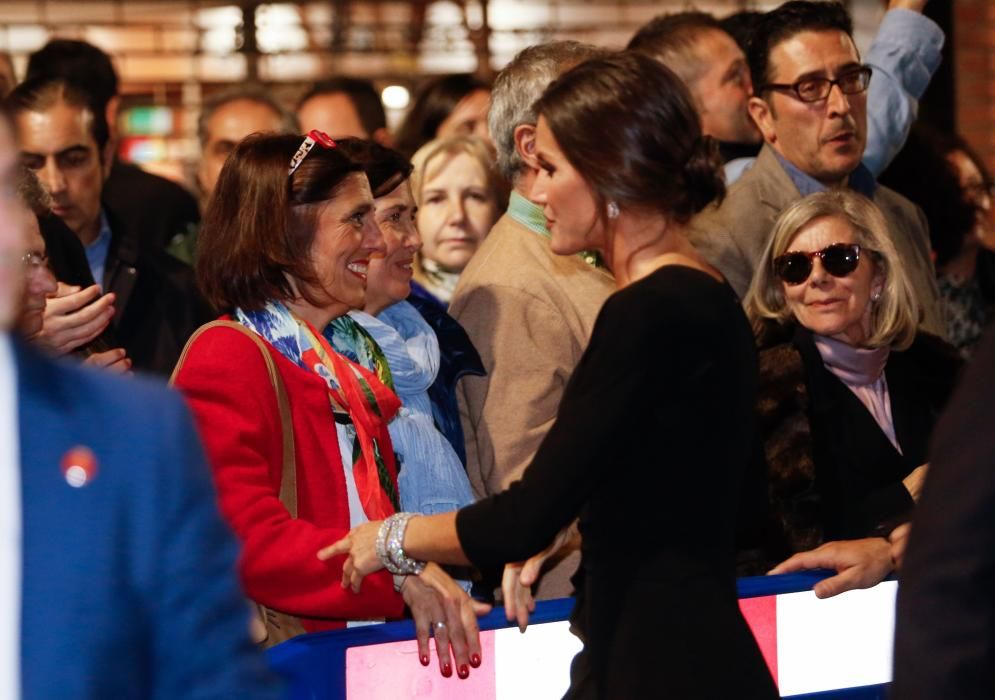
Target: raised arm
{"type": "Point", "coordinates": [904, 55]}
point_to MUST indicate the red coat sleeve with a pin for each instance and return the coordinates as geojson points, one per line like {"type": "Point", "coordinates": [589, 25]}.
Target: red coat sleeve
{"type": "Point", "coordinates": [225, 381]}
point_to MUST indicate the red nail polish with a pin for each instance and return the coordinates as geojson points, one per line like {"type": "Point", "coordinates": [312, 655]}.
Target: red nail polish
{"type": "Point", "coordinates": [424, 659]}
{"type": "Point", "coordinates": [475, 660]}
{"type": "Point", "coordinates": [463, 671]}
{"type": "Point", "coordinates": [447, 670]}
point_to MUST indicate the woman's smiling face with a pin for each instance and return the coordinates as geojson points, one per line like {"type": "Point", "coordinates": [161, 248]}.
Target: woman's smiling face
{"type": "Point", "coordinates": [346, 240]}
{"type": "Point", "coordinates": [389, 279]}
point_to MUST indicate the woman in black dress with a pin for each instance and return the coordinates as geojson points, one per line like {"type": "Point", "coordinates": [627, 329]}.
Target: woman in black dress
{"type": "Point", "coordinates": [655, 428]}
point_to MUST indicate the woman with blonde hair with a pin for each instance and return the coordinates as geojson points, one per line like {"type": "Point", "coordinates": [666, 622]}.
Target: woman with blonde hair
{"type": "Point", "coordinates": [459, 195]}
{"type": "Point", "coordinates": [850, 388]}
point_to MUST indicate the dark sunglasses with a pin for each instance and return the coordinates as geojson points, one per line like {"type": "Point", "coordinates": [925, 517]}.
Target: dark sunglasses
{"type": "Point", "coordinates": [839, 260]}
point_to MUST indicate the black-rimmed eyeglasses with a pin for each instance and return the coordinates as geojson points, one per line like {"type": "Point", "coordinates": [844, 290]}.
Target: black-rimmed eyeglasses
{"type": "Point", "coordinates": [851, 82]}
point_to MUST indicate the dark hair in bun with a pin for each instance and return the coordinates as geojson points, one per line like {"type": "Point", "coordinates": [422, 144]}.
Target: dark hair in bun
{"type": "Point", "coordinates": [629, 127]}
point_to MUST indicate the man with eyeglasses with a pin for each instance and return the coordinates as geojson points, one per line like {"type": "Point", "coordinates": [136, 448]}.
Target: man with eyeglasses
{"type": "Point", "coordinates": [810, 104]}
{"type": "Point", "coordinates": [709, 56]}
{"type": "Point", "coordinates": [145, 296]}
{"type": "Point", "coordinates": [117, 573]}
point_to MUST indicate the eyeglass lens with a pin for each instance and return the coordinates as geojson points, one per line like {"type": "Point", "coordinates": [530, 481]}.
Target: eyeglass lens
{"type": "Point", "coordinates": [839, 260]}
{"type": "Point", "coordinates": [850, 83]}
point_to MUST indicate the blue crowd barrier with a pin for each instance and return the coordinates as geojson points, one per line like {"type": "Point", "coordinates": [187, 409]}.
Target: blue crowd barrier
{"type": "Point", "coordinates": [315, 665]}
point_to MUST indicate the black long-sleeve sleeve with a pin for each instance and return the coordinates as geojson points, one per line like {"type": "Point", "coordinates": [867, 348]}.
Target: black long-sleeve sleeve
{"type": "Point", "coordinates": [645, 412]}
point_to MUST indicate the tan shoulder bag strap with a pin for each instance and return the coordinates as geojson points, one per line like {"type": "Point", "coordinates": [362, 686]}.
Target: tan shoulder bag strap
{"type": "Point", "coordinates": [270, 627]}
{"type": "Point", "coordinates": [288, 475]}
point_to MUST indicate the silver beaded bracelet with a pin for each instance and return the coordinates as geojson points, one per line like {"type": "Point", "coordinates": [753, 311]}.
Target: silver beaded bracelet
{"type": "Point", "coordinates": [390, 546]}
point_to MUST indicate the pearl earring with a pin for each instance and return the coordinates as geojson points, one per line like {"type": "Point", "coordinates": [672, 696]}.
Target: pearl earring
{"type": "Point", "coordinates": [613, 210]}
{"type": "Point", "coordinates": [876, 296]}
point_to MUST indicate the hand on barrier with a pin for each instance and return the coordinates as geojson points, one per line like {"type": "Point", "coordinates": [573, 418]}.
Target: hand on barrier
{"type": "Point", "coordinates": [519, 578]}
{"type": "Point", "coordinates": [441, 608]}
{"type": "Point", "coordinates": [858, 563]}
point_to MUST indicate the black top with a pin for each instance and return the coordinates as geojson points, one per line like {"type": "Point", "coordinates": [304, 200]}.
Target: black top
{"type": "Point", "coordinates": [831, 472]}
{"type": "Point", "coordinates": [157, 307]}
{"type": "Point", "coordinates": [649, 448]}
{"type": "Point", "coordinates": [944, 628]}
{"type": "Point", "coordinates": [155, 209]}
{"type": "Point", "coordinates": [857, 469]}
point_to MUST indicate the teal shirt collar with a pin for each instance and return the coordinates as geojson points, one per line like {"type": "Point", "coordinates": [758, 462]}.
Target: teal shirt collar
{"type": "Point", "coordinates": [529, 214]}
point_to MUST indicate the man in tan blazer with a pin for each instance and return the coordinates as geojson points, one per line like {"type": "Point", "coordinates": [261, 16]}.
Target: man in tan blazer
{"type": "Point", "coordinates": [811, 107]}
{"type": "Point", "coordinates": [528, 312]}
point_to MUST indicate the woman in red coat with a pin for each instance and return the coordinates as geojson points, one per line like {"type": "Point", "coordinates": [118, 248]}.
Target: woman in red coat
{"type": "Point", "coordinates": [284, 248]}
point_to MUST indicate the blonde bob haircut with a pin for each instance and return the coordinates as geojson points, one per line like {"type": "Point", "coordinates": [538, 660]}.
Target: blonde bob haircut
{"type": "Point", "coordinates": [434, 155]}
{"type": "Point", "coordinates": [894, 316]}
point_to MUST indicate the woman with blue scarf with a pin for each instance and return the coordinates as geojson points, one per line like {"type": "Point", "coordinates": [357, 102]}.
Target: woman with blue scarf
{"type": "Point", "coordinates": [390, 337]}
{"type": "Point", "coordinates": [296, 432]}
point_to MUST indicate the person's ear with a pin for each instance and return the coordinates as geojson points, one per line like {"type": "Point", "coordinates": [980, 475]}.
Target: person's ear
{"type": "Point", "coordinates": [877, 285]}
{"type": "Point", "coordinates": [111, 112]}
{"type": "Point", "coordinates": [763, 116]}
{"type": "Point", "coordinates": [383, 137]}
{"type": "Point", "coordinates": [525, 144]}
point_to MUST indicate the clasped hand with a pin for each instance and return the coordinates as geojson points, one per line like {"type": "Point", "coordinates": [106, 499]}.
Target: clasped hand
{"type": "Point", "coordinates": [439, 606]}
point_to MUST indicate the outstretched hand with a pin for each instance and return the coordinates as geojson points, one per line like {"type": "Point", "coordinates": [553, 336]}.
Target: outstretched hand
{"type": "Point", "coordinates": [858, 563]}
{"type": "Point", "coordinates": [360, 546]}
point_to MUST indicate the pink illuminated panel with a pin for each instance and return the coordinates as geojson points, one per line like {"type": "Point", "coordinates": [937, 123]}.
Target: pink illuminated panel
{"type": "Point", "coordinates": [810, 645]}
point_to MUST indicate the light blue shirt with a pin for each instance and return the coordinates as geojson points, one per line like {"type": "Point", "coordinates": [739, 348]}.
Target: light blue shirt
{"type": "Point", "coordinates": [904, 55]}
{"type": "Point", "coordinates": [860, 180]}
{"type": "Point", "coordinates": [96, 252]}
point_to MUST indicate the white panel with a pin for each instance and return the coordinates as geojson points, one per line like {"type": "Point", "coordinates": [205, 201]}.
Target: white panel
{"type": "Point", "coordinates": [840, 642]}
{"type": "Point", "coordinates": [535, 664]}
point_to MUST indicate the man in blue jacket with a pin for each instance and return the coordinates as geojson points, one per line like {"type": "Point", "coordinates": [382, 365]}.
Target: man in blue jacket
{"type": "Point", "coordinates": [116, 572]}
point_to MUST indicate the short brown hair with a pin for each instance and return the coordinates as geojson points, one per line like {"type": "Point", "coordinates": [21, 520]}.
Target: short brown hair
{"type": "Point", "coordinates": [673, 40]}
{"type": "Point", "coordinates": [385, 168]}
{"type": "Point", "coordinates": [260, 223]}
